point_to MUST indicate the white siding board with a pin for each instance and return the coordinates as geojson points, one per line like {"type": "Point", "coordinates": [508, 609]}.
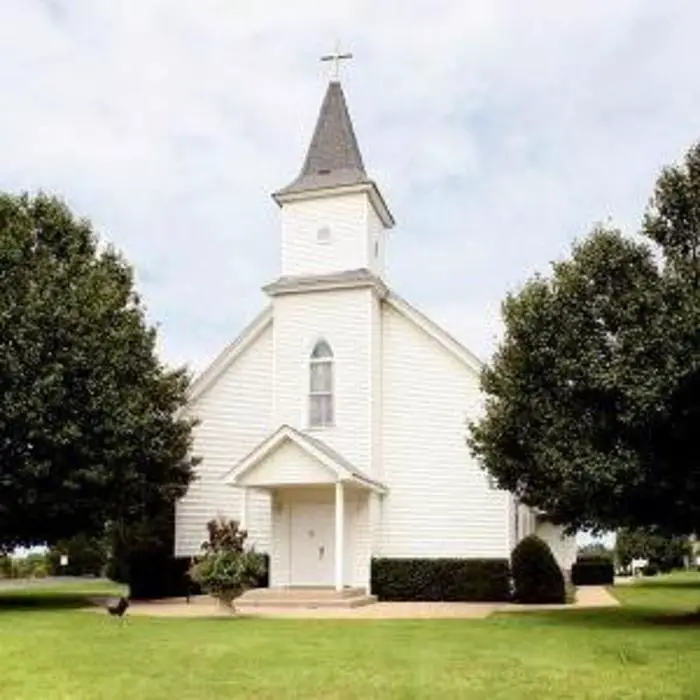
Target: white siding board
{"type": "Point", "coordinates": [564, 547]}
{"type": "Point", "coordinates": [359, 542]}
{"type": "Point", "coordinates": [377, 234]}
{"type": "Point", "coordinates": [235, 415]}
{"type": "Point", "coordinates": [280, 564]}
{"type": "Point", "coordinates": [345, 216]}
{"type": "Point", "coordinates": [439, 503]}
{"type": "Point", "coordinates": [343, 318]}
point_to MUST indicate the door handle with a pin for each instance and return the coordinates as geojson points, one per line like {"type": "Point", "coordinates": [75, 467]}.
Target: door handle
{"type": "Point", "coordinates": [321, 551]}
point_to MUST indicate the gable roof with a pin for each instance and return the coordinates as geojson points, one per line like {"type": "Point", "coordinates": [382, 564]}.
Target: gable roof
{"type": "Point", "coordinates": [227, 356]}
{"type": "Point", "coordinates": [419, 319]}
{"type": "Point", "coordinates": [319, 450]}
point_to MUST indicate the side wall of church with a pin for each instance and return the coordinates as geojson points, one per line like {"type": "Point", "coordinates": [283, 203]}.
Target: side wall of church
{"type": "Point", "coordinates": [235, 417]}
{"type": "Point", "coordinates": [440, 503]}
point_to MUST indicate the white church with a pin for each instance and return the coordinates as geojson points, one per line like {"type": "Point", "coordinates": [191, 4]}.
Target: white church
{"type": "Point", "coordinates": [334, 427]}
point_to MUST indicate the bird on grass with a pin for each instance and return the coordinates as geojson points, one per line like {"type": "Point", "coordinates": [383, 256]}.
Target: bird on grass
{"type": "Point", "coordinates": [118, 608]}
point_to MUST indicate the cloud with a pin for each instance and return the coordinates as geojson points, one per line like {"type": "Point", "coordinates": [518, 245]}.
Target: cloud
{"type": "Point", "coordinates": [499, 131]}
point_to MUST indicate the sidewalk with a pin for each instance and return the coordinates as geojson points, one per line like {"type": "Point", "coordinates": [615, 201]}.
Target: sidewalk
{"type": "Point", "coordinates": [204, 606]}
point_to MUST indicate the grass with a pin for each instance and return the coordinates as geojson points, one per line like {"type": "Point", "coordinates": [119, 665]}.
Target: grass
{"type": "Point", "coordinates": [638, 651]}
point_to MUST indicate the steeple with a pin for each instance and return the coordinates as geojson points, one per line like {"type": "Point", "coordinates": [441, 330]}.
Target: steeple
{"type": "Point", "coordinates": [334, 218]}
{"type": "Point", "coordinates": [333, 158]}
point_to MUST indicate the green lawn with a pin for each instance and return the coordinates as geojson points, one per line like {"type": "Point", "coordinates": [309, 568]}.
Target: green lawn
{"type": "Point", "coordinates": [646, 649]}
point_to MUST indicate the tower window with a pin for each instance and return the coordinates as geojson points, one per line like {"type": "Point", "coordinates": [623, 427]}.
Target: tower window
{"type": "Point", "coordinates": [321, 386]}
{"type": "Point", "coordinates": [323, 235]}
{"type": "Point", "coordinates": [376, 249]}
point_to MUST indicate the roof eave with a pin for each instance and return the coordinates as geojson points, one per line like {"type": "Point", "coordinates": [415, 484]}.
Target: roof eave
{"type": "Point", "coordinates": [370, 187]}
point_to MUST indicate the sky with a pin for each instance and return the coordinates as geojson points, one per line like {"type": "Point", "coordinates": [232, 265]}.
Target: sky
{"type": "Point", "coordinates": [498, 131]}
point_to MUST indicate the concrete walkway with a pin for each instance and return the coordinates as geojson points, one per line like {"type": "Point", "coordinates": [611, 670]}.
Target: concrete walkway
{"type": "Point", "coordinates": [586, 597]}
{"type": "Point", "coordinates": [204, 606]}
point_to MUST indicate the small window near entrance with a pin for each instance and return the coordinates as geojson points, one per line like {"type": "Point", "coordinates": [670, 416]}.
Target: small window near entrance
{"type": "Point", "coordinates": [323, 235]}
{"type": "Point", "coordinates": [321, 413]}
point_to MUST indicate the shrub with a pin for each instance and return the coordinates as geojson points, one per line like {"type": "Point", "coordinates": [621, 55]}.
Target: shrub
{"type": "Point", "coordinates": [441, 579]}
{"type": "Point", "coordinates": [536, 574]}
{"type": "Point", "coordinates": [227, 566]}
{"type": "Point", "coordinates": [592, 571]}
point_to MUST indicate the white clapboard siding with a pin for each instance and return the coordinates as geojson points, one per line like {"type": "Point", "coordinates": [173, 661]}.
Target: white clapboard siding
{"type": "Point", "coordinates": [563, 546]}
{"type": "Point", "coordinates": [439, 502]}
{"type": "Point", "coordinates": [377, 242]}
{"type": "Point", "coordinates": [348, 244]}
{"type": "Point", "coordinates": [343, 319]}
{"type": "Point", "coordinates": [358, 547]}
{"type": "Point", "coordinates": [235, 414]}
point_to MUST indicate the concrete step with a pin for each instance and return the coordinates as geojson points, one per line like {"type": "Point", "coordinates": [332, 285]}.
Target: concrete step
{"type": "Point", "coordinates": [302, 594]}
{"type": "Point", "coordinates": [308, 603]}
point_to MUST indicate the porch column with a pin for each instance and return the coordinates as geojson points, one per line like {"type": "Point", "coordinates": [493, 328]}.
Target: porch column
{"type": "Point", "coordinates": [339, 534]}
{"type": "Point", "coordinates": [244, 508]}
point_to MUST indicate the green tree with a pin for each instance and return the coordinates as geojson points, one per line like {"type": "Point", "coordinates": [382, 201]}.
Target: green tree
{"type": "Point", "coordinates": [595, 550]}
{"type": "Point", "coordinates": [594, 393]}
{"type": "Point", "coordinates": [663, 551]}
{"type": "Point", "coordinates": [89, 426]}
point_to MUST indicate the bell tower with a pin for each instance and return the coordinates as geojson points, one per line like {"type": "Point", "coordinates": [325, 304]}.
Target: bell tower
{"type": "Point", "coordinates": [334, 218]}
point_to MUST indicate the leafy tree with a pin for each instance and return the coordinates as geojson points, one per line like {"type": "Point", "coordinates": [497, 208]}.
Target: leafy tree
{"type": "Point", "coordinates": [594, 550]}
{"type": "Point", "coordinates": [89, 426]}
{"type": "Point", "coordinates": [227, 566]}
{"type": "Point", "coordinates": [87, 556]}
{"type": "Point", "coordinates": [594, 394]}
{"type": "Point", "coordinates": [663, 551]}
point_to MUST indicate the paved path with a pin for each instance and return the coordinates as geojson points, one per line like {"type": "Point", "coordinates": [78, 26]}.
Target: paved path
{"type": "Point", "coordinates": [204, 606]}
{"type": "Point", "coordinates": [586, 597]}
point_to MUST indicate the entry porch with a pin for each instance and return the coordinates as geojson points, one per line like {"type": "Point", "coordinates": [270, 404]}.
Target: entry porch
{"type": "Point", "coordinates": [322, 514]}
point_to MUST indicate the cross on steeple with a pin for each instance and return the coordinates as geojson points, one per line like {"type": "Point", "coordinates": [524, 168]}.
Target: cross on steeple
{"type": "Point", "coordinates": [335, 58]}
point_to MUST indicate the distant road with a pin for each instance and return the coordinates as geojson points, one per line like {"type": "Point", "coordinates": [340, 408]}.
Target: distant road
{"type": "Point", "coordinates": [10, 583]}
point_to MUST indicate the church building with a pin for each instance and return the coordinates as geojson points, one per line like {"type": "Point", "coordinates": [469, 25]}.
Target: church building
{"type": "Point", "coordinates": [334, 427]}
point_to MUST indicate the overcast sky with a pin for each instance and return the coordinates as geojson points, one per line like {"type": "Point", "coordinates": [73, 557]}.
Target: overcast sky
{"type": "Point", "coordinates": [498, 131]}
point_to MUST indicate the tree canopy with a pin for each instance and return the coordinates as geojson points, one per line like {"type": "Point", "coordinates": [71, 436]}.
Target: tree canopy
{"type": "Point", "coordinates": [593, 396]}
{"type": "Point", "coordinates": [89, 430]}
{"type": "Point", "coordinates": [662, 551]}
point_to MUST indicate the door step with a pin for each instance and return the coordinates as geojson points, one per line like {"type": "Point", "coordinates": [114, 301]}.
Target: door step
{"type": "Point", "coordinates": [304, 598]}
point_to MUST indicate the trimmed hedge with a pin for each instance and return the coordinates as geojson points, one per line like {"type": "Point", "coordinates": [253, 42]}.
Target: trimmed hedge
{"type": "Point", "coordinates": [590, 571]}
{"type": "Point", "coordinates": [441, 579]}
{"type": "Point", "coordinates": [537, 576]}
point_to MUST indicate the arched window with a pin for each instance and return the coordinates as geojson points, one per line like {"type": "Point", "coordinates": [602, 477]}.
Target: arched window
{"type": "Point", "coordinates": [321, 386]}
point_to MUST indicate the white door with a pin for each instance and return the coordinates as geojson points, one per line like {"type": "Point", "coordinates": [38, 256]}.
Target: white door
{"type": "Point", "coordinates": [312, 544]}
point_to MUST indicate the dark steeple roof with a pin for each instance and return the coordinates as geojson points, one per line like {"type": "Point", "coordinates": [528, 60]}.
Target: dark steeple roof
{"type": "Point", "coordinates": [333, 158]}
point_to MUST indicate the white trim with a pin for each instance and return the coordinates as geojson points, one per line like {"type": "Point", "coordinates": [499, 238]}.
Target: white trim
{"type": "Point", "coordinates": [301, 285]}
{"type": "Point", "coordinates": [370, 188]}
{"type": "Point", "coordinates": [339, 535]}
{"type": "Point", "coordinates": [244, 508]}
{"type": "Point", "coordinates": [273, 442]}
{"type": "Point", "coordinates": [434, 331]}
{"type": "Point", "coordinates": [224, 359]}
